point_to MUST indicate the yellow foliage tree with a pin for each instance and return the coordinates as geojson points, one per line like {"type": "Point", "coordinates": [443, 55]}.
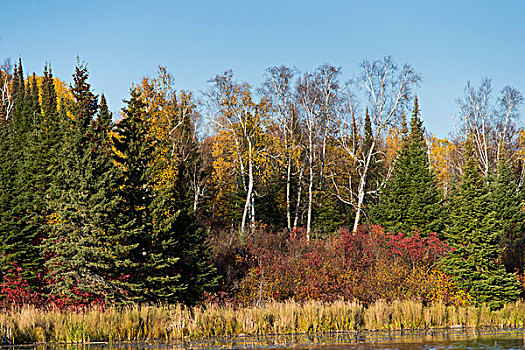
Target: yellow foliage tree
{"type": "Point", "coordinates": [242, 122]}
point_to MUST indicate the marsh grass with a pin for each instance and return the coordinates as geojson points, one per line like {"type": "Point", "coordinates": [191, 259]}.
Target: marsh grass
{"type": "Point", "coordinates": [139, 323]}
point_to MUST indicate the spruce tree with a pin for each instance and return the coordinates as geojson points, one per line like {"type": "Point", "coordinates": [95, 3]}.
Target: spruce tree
{"type": "Point", "coordinates": [178, 260]}
{"type": "Point", "coordinates": [22, 226]}
{"type": "Point", "coordinates": [169, 261]}
{"type": "Point", "coordinates": [83, 245]}
{"type": "Point", "coordinates": [51, 134]}
{"type": "Point", "coordinates": [49, 95]}
{"type": "Point", "coordinates": [410, 199]}
{"type": "Point", "coordinates": [507, 204]}
{"type": "Point", "coordinates": [473, 234]}
{"type": "Point", "coordinates": [374, 171]}
{"type": "Point", "coordinates": [133, 153]}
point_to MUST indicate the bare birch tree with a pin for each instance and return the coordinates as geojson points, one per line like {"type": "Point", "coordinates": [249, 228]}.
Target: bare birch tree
{"type": "Point", "coordinates": [317, 95]}
{"type": "Point", "coordinates": [278, 90]}
{"type": "Point", "coordinates": [241, 117]}
{"type": "Point", "coordinates": [490, 123]}
{"type": "Point", "coordinates": [388, 89]}
{"type": "Point", "coordinates": [6, 100]}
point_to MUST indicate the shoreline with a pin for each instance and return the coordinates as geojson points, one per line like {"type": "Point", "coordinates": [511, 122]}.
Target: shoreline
{"type": "Point", "coordinates": [28, 325]}
{"type": "Point", "coordinates": [306, 340]}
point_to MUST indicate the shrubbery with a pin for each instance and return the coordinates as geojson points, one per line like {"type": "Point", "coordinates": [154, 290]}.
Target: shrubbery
{"type": "Point", "coordinates": [366, 266]}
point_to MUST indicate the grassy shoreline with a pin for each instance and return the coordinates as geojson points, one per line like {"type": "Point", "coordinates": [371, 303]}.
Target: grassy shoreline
{"type": "Point", "coordinates": [139, 323]}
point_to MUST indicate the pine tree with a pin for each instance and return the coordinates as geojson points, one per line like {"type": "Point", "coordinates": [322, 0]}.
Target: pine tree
{"type": "Point", "coordinates": [507, 204]}
{"type": "Point", "coordinates": [374, 171]}
{"type": "Point", "coordinates": [473, 233]}
{"type": "Point", "coordinates": [83, 245]}
{"type": "Point", "coordinates": [169, 257]}
{"type": "Point", "coordinates": [21, 229]}
{"type": "Point", "coordinates": [133, 151]}
{"type": "Point", "coordinates": [178, 256]}
{"type": "Point", "coordinates": [410, 199]}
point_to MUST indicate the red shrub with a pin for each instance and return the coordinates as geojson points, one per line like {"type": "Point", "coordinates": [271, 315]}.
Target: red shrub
{"type": "Point", "coordinates": [16, 291]}
{"type": "Point", "coordinates": [367, 265]}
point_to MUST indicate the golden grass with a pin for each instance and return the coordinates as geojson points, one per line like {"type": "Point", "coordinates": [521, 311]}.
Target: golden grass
{"type": "Point", "coordinates": [138, 323]}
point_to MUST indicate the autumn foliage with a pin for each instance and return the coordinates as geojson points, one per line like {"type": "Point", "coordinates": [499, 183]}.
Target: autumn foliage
{"type": "Point", "coordinates": [96, 209]}
{"type": "Point", "coordinates": [368, 265]}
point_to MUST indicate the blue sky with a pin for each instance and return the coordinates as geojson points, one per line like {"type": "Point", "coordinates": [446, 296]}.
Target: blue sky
{"type": "Point", "coordinates": [447, 42]}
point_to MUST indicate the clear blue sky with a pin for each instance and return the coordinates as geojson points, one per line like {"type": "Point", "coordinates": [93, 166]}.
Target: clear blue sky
{"type": "Point", "coordinates": [448, 42]}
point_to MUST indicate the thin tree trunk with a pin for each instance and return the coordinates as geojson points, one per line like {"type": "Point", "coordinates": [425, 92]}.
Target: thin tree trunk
{"type": "Point", "coordinates": [248, 205]}
{"type": "Point", "coordinates": [323, 155]}
{"type": "Point", "coordinates": [288, 189]}
{"type": "Point", "coordinates": [310, 189]}
{"type": "Point", "coordinates": [362, 188]}
{"type": "Point", "coordinates": [299, 193]}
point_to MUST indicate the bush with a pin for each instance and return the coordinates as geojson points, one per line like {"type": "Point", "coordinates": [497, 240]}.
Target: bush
{"type": "Point", "coordinates": [365, 266]}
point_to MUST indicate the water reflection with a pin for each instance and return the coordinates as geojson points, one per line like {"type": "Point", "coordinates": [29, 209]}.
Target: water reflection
{"type": "Point", "coordinates": [428, 340]}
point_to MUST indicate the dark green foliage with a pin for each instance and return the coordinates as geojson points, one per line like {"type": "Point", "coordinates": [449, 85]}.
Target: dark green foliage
{"type": "Point", "coordinates": [374, 169]}
{"type": "Point", "coordinates": [104, 117]}
{"type": "Point", "coordinates": [18, 94]}
{"type": "Point", "coordinates": [267, 206]}
{"type": "Point", "coordinates": [473, 232]}
{"type": "Point", "coordinates": [328, 216]}
{"type": "Point", "coordinates": [169, 260]}
{"type": "Point", "coordinates": [410, 199]}
{"type": "Point", "coordinates": [134, 154]}
{"type": "Point", "coordinates": [83, 245]}
{"type": "Point", "coordinates": [507, 204]}
{"type": "Point", "coordinates": [22, 203]}
{"type": "Point", "coordinates": [179, 257]}
{"type": "Point", "coordinates": [33, 101]}
{"type": "Point", "coordinates": [49, 95]}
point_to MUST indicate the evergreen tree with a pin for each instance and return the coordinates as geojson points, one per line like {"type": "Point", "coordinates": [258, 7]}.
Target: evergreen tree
{"type": "Point", "coordinates": [33, 100]}
{"type": "Point", "coordinates": [178, 258]}
{"type": "Point", "coordinates": [104, 117]}
{"type": "Point", "coordinates": [51, 131]}
{"type": "Point", "coordinates": [374, 171]}
{"type": "Point", "coordinates": [410, 199]}
{"type": "Point", "coordinates": [473, 233]}
{"type": "Point", "coordinates": [21, 229]}
{"type": "Point", "coordinates": [134, 155]}
{"type": "Point", "coordinates": [169, 260]}
{"type": "Point", "coordinates": [49, 95]}
{"type": "Point", "coordinates": [507, 204]}
{"type": "Point", "coordinates": [19, 90]}
{"type": "Point", "coordinates": [7, 172]}
{"type": "Point", "coordinates": [83, 245]}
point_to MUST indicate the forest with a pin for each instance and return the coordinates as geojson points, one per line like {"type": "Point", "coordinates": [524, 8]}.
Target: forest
{"type": "Point", "coordinates": [305, 188]}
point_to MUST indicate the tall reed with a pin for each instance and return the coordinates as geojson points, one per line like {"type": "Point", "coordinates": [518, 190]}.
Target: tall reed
{"type": "Point", "coordinates": [142, 322]}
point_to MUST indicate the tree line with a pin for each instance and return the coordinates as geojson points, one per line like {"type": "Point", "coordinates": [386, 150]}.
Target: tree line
{"type": "Point", "coordinates": [146, 206]}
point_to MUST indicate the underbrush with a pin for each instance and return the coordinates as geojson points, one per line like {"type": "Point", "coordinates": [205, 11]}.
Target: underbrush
{"type": "Point", "coordinates": [366, 266]}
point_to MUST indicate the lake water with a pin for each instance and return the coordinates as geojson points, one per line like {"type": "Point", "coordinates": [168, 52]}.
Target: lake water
{"type": "Point", "coordinates": [429, 340]}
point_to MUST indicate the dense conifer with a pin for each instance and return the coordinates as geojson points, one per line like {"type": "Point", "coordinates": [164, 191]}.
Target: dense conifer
{"type": "Point", "coordinates": [49, 95]}
{"type": "Point", "coordinates": [133, 155]}
{"type": "Point", "coordinates": [473, 232]}
{"type": "Point", "coordinates": [169, 259]}
{"type": "Point", "coordinates": [22, 228]}
{"type": "Point", "coordinates": [411, 199]}
{"type": "Point", "coordinates": [82, 246]}
{"type": "Point", "coordinates": [374, 171]}
{"type": "Point", "coordinates": [506, 202]}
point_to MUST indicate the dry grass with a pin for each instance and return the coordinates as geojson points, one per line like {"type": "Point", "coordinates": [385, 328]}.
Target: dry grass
{"type": "Point", "coordinates": [135, 323]}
